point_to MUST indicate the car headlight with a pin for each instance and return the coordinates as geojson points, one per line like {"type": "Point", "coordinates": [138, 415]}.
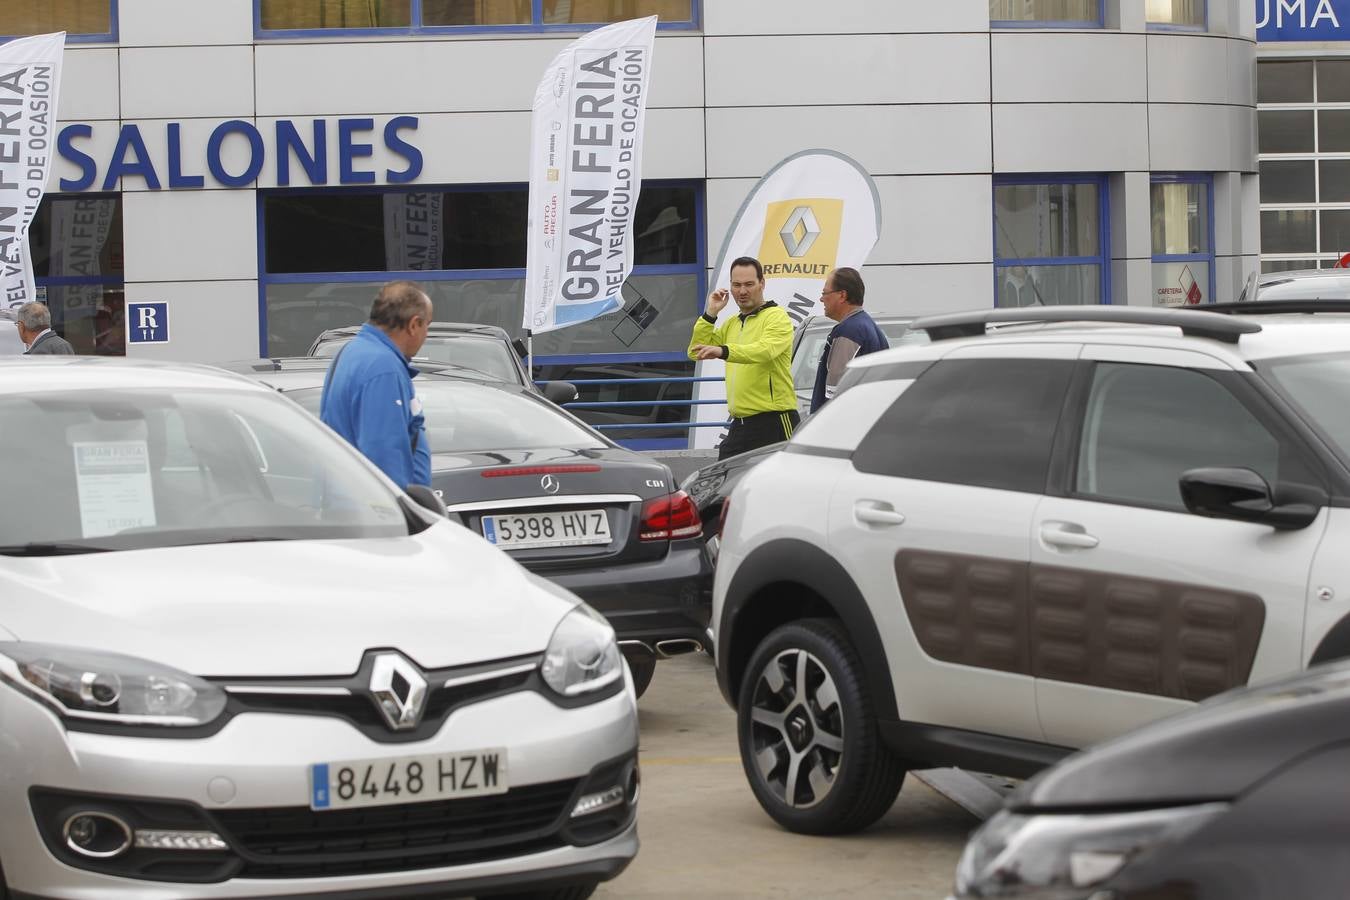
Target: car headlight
{"type": "Point", "coordinates": [582, 655]}
{"type": "Point", "coordinates": [1054, 856]}
{"type": "Point", "coordinates": [107, 687]}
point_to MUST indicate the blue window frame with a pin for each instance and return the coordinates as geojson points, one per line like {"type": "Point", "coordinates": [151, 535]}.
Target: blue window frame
{"type": "Point", "coordinates": [83, 21]}
{"type": "Point", "coordinates": [1176, 15]}
{"type": "Point", "coordinates": [417, 17]}
{"type": "Point", "coordinates": [1051, 240]}
{"type": "Point", "coordinates": [1182, 214]}
{"type": "Point", "coordinates": [1047, 14]}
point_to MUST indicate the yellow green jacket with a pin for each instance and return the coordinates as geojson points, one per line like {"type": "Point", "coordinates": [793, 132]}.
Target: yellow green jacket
{"type": "Point", "coordinates": [758, 356]}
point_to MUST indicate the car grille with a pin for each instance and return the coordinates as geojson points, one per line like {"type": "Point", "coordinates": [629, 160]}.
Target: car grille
{"type": "Point", "coordinates": [296, 842]}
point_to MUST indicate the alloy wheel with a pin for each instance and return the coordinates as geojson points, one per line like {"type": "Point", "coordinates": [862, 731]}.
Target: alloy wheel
{"type": "Point", "coordinates": [797, 728]}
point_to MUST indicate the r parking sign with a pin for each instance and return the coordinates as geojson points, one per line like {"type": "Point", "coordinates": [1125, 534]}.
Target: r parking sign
{"type": "Point", "coordinates": [147, 323]}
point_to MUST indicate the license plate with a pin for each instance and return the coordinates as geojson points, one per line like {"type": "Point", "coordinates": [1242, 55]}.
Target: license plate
{"type": "Point", "coordinates": [548, 529]}
{"type": "Point", "coordinates": [407, 779]}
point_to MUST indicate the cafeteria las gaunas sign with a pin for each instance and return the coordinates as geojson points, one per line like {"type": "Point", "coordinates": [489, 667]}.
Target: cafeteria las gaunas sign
{"type": "Point", "coordinates": [300, 151]}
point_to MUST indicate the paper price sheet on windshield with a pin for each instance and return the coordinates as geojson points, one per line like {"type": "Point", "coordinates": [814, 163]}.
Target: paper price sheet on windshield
{"type": "Point", "coordinates": [114, 486]}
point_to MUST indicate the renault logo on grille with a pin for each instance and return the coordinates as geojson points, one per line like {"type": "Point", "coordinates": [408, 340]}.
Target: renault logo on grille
{"type": "Point", "coordinates": [399, 690]}
{"type": "Point", "coordinates": [549, 484]}
{"type": "Point", "coordinates": [799, 232]}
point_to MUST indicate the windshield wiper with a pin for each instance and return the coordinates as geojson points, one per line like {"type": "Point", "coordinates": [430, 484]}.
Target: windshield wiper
{"type": "Point", "coordinates": [456, 366]}
{"type": "Point", "coordinates": [41, 548]}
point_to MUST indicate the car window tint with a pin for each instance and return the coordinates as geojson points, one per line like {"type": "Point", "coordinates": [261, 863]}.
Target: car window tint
{"type": "Point", "coordinates": [1145, 425]}
{"type": "Point", "coordinates": [982, 422]}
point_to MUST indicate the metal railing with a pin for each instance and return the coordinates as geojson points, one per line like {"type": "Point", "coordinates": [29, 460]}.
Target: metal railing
{"type": "Point", "coordinates": [577, 405]}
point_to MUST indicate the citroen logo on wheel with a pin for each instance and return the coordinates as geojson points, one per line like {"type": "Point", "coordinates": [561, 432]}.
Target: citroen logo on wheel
{"type": "Point", "coordinates": [399, 690]}
{"type": "Point", "coordinates": [549, 484]}
{"type": "Point", "coordinates": [799, 232]}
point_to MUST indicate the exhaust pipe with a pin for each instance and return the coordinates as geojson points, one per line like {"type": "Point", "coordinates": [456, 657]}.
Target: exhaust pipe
{"type": "Point", "coordinates": [637, 649]}
{"type": "Point", "coordinates": [677, 647]}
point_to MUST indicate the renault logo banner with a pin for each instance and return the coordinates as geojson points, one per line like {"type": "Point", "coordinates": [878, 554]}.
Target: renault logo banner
{"type": "Point", "coordinates": [30, 74]}
{"type": "Point", "coordinates": [813, 212]}
{"type": "Point", "coordinates": [585, 174]}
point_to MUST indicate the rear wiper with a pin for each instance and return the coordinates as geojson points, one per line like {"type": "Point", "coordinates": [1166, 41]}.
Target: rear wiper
{"type": "Point", "coordinates": [40, 548]}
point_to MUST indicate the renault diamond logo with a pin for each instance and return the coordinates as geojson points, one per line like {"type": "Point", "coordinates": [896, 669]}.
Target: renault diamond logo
{"type": "Point", "coordinates": [549, 484]}
{"type": "Point", "coordinates": [399, 689]}
{"type": "Point", "coordinates": [800, 232]}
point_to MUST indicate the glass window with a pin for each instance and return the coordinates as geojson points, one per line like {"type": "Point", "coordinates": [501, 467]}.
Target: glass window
{"type": "Point", "coordinates": [1287, 265]}
{"type": "Point", "coordinates": [1288, 231]}
{"type": "Point", "coordinates": [1333, 80]}
{"type": "Point", "coordinates": [981, 422]}
{"type": "Point", "coordinates": [648, 386]}
{"type": "Point", "coordinates": [1284, 81]}
{"type": "Point", "coordinates": [1289, 130]}
{"type": "Point", "coordinates": [309, 15]}
{"type": "Point", "coordinates": [75, 243]}
{"type": "Point", "coordinates": [1056, 11]}
{"type": "Point", "coordinates": [1335, 180]}
{"type": "Point", "coordinates": [75, 17]}
{"type": "Point", "coordinates": [1333, 131]}
{"type": "Point", "coordinates": [1146, 425]}
{"type": "Point", "coordinates": [1318, 386]}
{"type": "Point", "coordinates": [1175, 12]}
{"type": "Point", "coordinates": [1048, 243]}
{"type": "Point", "coordinates": [1335, 231]}
{"type": "Point", "coordinates": [1288, 181]}
{"type": "Point", "coordinates": [1183, 255]}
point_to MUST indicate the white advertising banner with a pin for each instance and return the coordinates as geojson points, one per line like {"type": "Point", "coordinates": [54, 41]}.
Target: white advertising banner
{"type": "Point", "coordinates": [30, 76]}
{"type": "Point", "coordinates": [414, 230]}
{"type": "Point", "coordinates": [815, 211]}
{"type": "Point", "coordinates": [585, 175]}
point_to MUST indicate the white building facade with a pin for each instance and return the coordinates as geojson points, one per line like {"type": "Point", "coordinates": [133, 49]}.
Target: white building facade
{"type": "Point", "coordinates": [261, 166]}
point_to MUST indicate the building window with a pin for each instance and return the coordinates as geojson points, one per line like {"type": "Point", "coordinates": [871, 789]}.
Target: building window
{"type": "Point", "coordinates": [1046, 13]}
{"type": "Point", "coordinates": [1303, 145]}
{"type": "Point", "coordinates": [1179, 13]}
{"type": "Point", "coordinates": [1183, 240]}
{"type": "Point", "coordinates": [1050, 240]}
{"type": "Point", "coordinates": [75, 243]}
{"type": "Point", "coordinates": [81, 20]}
{"type": "Point", "coordinates": [416, 16]}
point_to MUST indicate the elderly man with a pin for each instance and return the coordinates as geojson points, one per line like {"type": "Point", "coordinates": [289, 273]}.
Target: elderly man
{"type": "Point", "coordinates": [35, 330]}
{"type": "Point", "coordinates": [368, 396]}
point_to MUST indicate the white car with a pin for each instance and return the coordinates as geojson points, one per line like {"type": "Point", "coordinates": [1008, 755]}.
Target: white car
{"type": "Point", "coordinates": [235, 661]}
{"type": "Point", "coordinates": [1017, 541]}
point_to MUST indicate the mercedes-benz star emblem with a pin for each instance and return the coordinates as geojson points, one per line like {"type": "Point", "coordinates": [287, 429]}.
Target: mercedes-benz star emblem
{"type": "Point", "coordinates": [549, 484]}
{"type": "Point", "coordinates": [399, 690]}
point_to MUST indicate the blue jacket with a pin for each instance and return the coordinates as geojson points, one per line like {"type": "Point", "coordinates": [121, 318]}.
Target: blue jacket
{"type": "Point", "coordinates": [368, 398]}
{"type": "Point", "coordinates": [856, 335]}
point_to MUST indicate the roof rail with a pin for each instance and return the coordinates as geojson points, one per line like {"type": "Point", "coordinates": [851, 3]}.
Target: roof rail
{"type": "Point", "coordinates": [1191, 323]}
{"type": "Point", "coordinates": [1266, 307]}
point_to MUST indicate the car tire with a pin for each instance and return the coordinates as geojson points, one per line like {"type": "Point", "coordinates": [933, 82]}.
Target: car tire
{"type": "Point", "coordinates": [826, 746]}
{"type": "Point", "coordinates": [643, 670]}
{"type": "Point", "coordinates": [574, 892]}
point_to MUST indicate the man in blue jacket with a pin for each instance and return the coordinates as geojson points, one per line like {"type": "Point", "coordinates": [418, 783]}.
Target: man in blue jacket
{"type": "Point", "coordinates": [368, 396]}
{"type": "Point", "coordinates": [855, 335]}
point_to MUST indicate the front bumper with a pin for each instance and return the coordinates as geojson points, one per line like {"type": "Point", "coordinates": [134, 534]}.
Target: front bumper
{"type": "Point", "coordinates": [259, 762]}
{"type": "Point", "coordinates": [662, 600]}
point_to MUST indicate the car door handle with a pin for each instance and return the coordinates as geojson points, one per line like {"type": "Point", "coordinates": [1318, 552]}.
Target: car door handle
{"type": "Point", "coordinates": [1059, 534]}
{"type": "Point", "coordinates": [874, 512]}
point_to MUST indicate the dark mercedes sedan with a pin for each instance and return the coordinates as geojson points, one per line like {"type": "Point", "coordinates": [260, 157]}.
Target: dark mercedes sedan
{"type": "Point", "coordinates": [565, 502]}
{"type": "Point", "coordinates": [1245, 797]}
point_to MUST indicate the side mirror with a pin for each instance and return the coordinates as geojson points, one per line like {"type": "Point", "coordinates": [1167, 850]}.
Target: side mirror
{"type": "Point", "coordinates": [1243, 495]}
{"type": "Point", "coordinates": [521, 350]}
{"type": "Point", "coordinates": [559, 392]}
{"type": "Point", "coordinates": [426, 498]}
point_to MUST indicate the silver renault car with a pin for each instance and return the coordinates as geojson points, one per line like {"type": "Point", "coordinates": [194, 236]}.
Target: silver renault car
{"type": "Point", "coordinates": [236, 661]}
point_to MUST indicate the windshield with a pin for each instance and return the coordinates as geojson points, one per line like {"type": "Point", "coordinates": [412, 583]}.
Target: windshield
{"type": "Point", "coordinates": [110, 469]}
{"type": "Point", "coordinates": [463, 417]}
{"type": "Point", "coordinates": [1320, 387]}
{"type": "Point", "coordinates": [807, 358]}
{"type": "Point", "coordinates": [477, 357]}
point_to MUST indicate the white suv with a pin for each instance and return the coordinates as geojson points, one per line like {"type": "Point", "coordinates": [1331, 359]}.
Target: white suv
{"type": "Point", "coordinates": [1016, 541]}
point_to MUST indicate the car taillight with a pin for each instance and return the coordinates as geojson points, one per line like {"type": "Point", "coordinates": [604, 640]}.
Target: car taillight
{"type": "Point", "coordinates": [671, 517]}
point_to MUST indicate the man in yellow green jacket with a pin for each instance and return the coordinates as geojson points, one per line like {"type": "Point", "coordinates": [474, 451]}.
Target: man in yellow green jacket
{"type": "Point", "coordinates": [757, 348]}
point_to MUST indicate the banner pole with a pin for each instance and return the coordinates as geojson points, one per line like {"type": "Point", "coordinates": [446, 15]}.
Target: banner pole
{"type": "Point", "coordinates": [529, 354]}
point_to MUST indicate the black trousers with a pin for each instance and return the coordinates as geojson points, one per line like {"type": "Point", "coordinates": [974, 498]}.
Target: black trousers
{"type": "Point", "coordinates": [759, 430]}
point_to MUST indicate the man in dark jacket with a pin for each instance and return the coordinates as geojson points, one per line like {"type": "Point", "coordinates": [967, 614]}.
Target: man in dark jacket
{"type": "Point", "coordinates": [35, 330]}
{"type": "Point", "coordinates": [855, 335]}
{"type": "Point", "coordinates": [368, 396]}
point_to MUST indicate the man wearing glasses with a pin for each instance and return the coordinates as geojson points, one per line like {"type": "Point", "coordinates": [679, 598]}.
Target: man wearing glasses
{"type": "Point", "coordinates": [855, 335]}
{"type": "Point", "coordinates": [757, 347]}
